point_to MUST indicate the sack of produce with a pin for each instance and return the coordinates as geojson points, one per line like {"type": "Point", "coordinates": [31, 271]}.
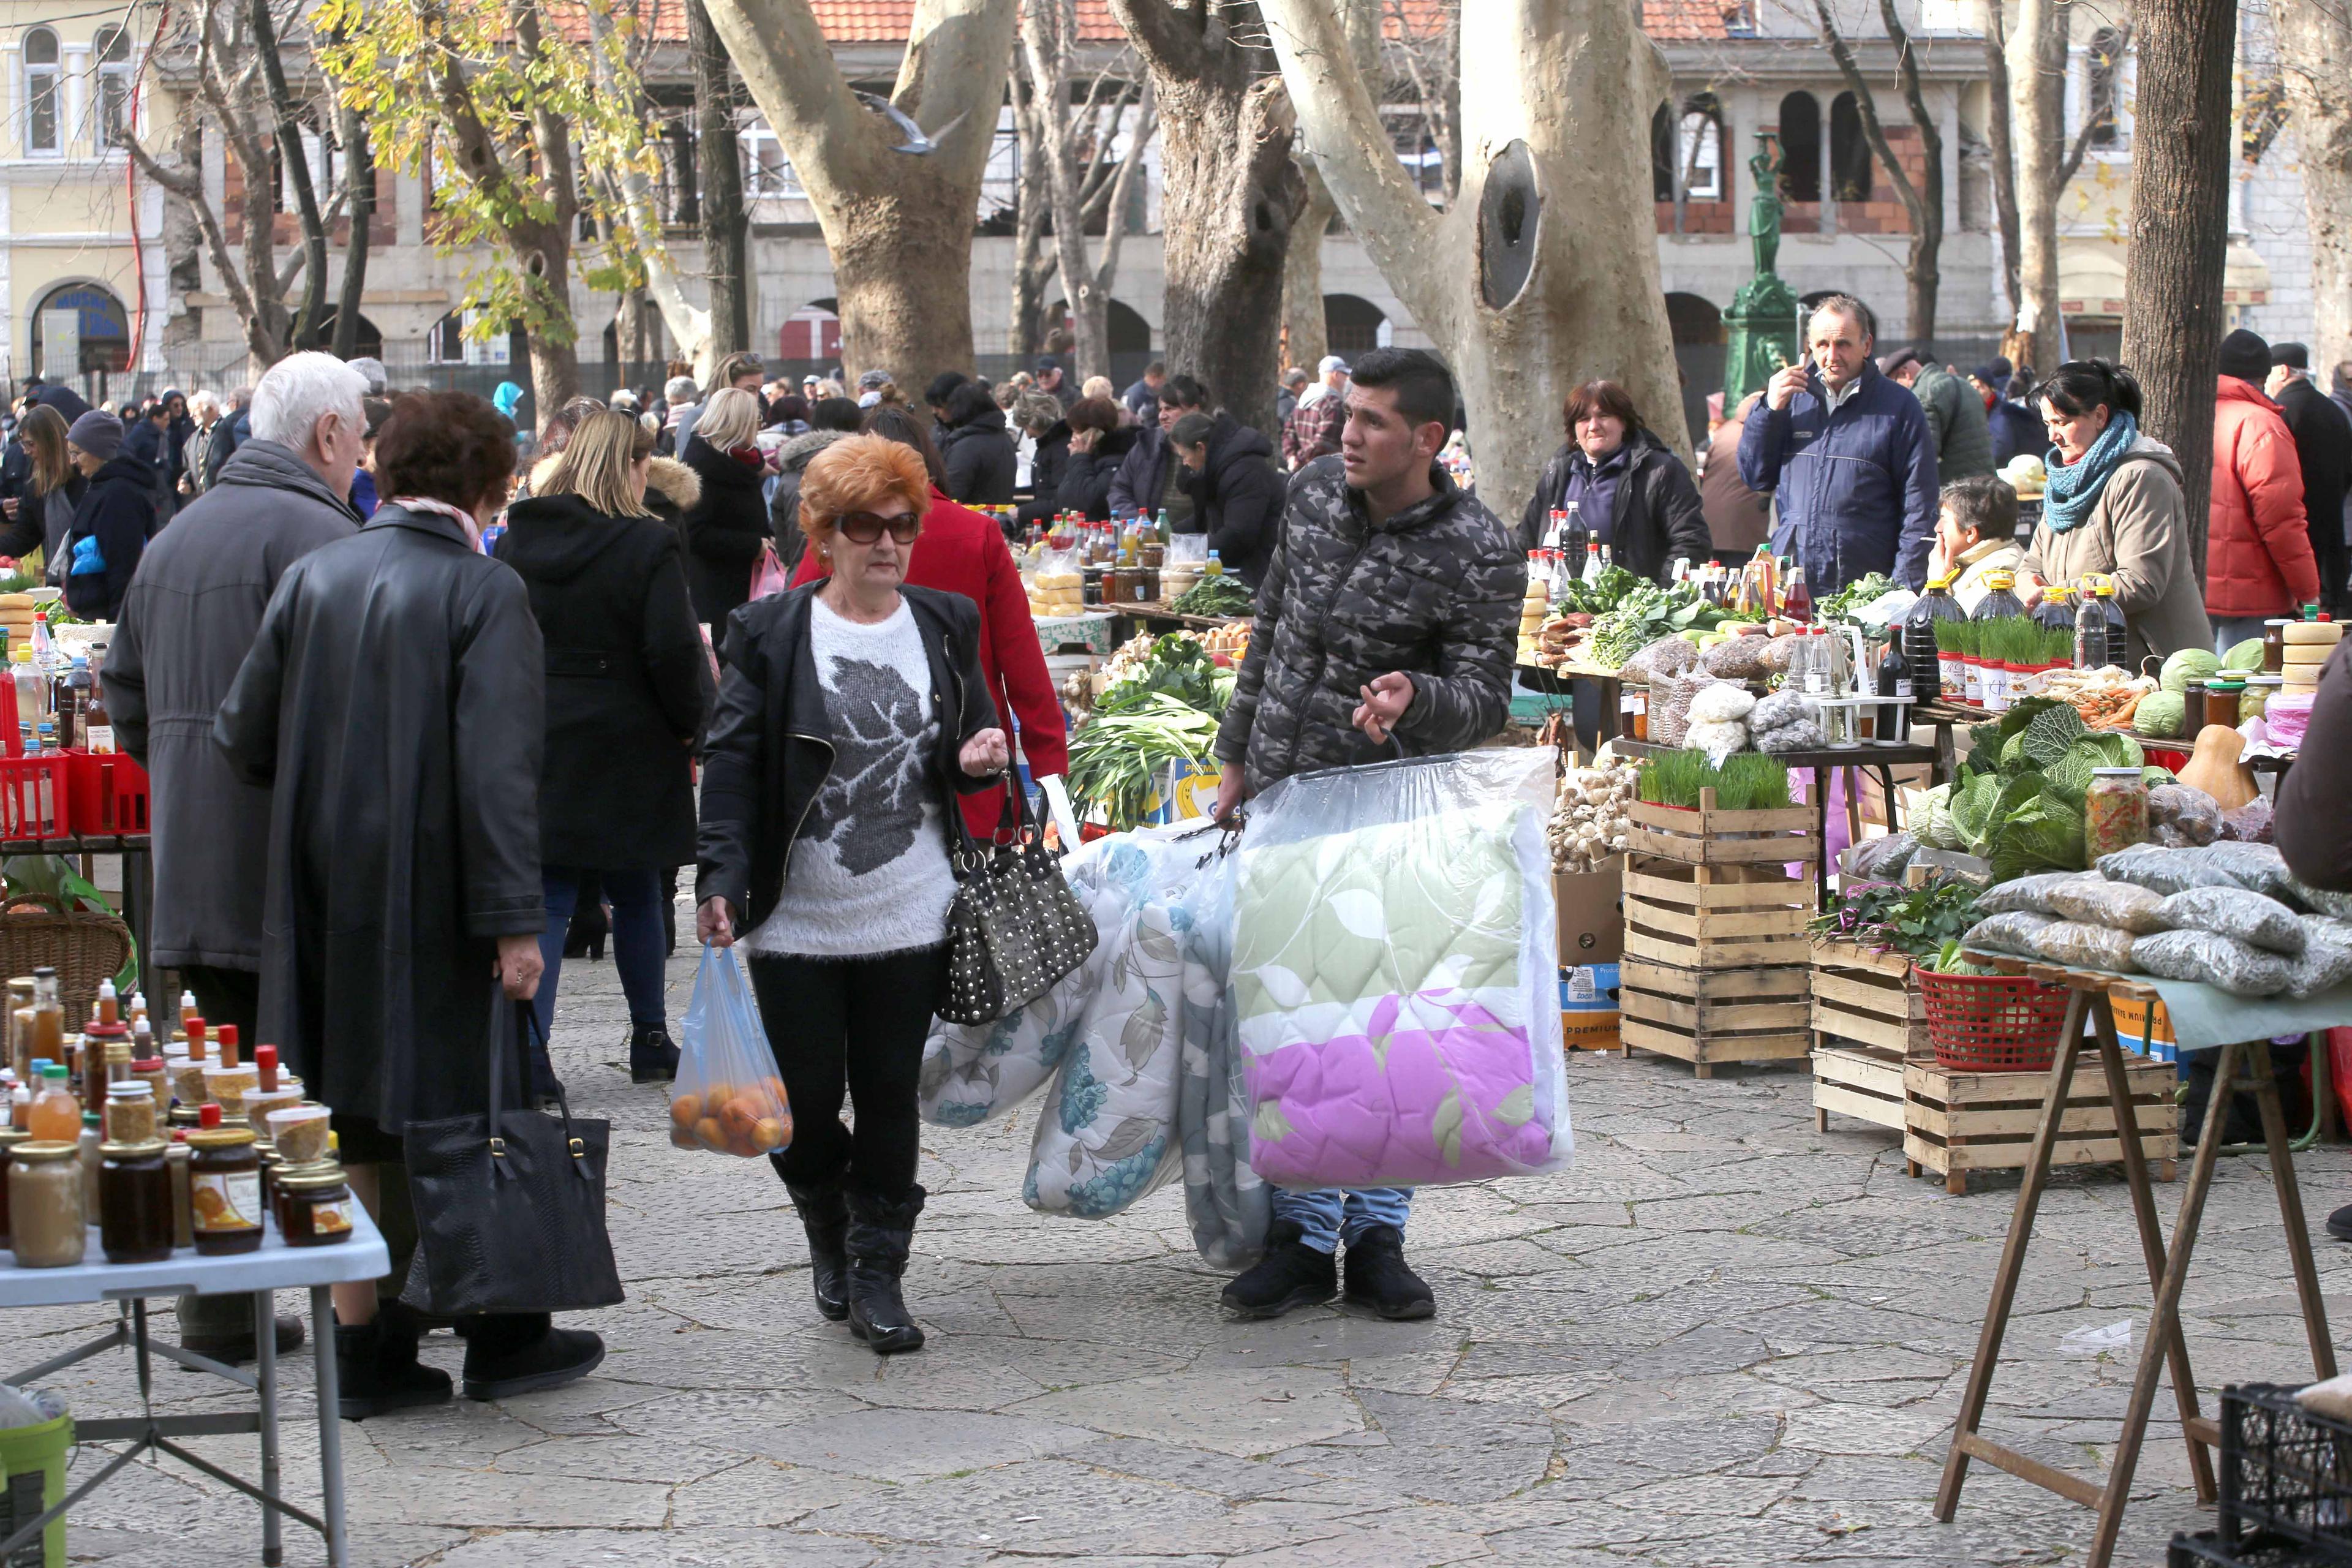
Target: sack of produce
{"type": "Point", "coordinates": [1781, 708]}
{"type": "Point", "coordinates": [2236, 912]}
{"type": "Point", "coordinates": [1783, 652]}
{"type": "Point", "coordinates": [2024, 893]}
{"type": "Point", "coordinates": [2218, 960]}
{"type": "Point", "coordinates": [2320, 901]}
{"type": "Point", "coordinates": [1670, 703]}
{"type": "Point", "coordinates": [1722, 704]}
{"type": "Point", "coordinates": [1395, 976]}
{"type": "Point", "coordinates": [1805, 735]}
{"type": "Point", "coordinates": [1718, 740]}
{"type": "Point", "coordinates": [2256, 866]}
{"type": "Point", "coordinates": [2093, 901]}
{"type": "Point", "coordinates": [1738, 659]}
{"type": "Point", "coordinates": [2326, 961]}
{"type": "Point", "coordinates": [2250, 824]}
{"type": "Point", "coordinates": [727, 1096]}
{"type": "Point", "coordinates": [2162, 870]}
{"type": "Point", "coordinates": [1588, 819]}
{"type": "Point", "coordinates": [1667, 656]}
{"type": "Point", "coordinates": [2011, 933]}
{"type": "Point", "coordinates": [2181, 815]}
{"type": "Point", "coordinates": [2084, 946]}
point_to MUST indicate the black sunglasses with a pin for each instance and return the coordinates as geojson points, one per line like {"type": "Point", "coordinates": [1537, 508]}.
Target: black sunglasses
{"type": "Point", "coordinates": [865, 527]}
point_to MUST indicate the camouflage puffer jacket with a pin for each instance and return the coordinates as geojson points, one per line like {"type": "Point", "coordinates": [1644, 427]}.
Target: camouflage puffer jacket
{"type": "Point", "coordinates": [1433, 592]}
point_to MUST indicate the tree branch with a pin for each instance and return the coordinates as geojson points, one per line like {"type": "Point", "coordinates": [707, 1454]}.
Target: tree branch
{"type": "Point", "coordinates": [1171, 38]}
{"type": "Point", "coordinates": [1866, 102]}
{"type": "Point", "coordinates": [297, 172]}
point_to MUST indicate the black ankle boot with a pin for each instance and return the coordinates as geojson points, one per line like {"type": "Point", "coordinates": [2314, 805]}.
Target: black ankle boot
{"type": "Point", "coordinates": [376, 1369]}
{"type": "Point", "coordinates": [1379, 1278]}
{"type": "Point", "coordinates": [880, 1231]}
{"type": "Point", "coordinates": [1291, 1274]}
{"type": "Point", "coordinates": [653, 1056]}
{"type": "Point", "coordinates": [825, 1215]}
{"type": "Point", "coordinates": [509, 1354]}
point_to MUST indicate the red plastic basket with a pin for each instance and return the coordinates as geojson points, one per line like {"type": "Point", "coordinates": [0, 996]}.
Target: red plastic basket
{"type": "Point", "coordinates": [108, 791]}
{"type": "Point", "coordinates": [1992, 1023]}
{"type": "Point", "coordinates": [33, 798]}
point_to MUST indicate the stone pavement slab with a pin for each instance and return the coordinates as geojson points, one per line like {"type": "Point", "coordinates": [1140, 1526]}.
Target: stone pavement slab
{"type": "Point", "coordinates": [1724, 1338]}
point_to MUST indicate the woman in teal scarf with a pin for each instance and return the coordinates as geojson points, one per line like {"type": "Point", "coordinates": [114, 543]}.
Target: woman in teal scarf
{"type": "Point", "coordinates": [2113, 510]}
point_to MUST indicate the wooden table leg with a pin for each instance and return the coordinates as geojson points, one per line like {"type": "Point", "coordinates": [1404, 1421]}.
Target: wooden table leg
{"type": "Point", "coordinates": [2278, 1136]}
{"type": "Point", "coordinates": [2151, 1238]}
{"type": "Point", "coordinates": [2163, 1326]}
{"type": "Point", "coordinates": [2012, 1258]}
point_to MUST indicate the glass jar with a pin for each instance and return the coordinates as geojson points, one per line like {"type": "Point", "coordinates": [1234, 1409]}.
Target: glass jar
{"type": "Point", "coordinates": [134, 1201]}
{"type": "Point", "coordinates": [130, 1112]}
{"type": "Point", "coordinates": [2275, 646]}
{"type": "Point", "coordinates": [47, 1225]}
{"type": "Point", "coordinates": [2192, 709]}
{"type": "Point", "coordinates": [176, 1158]}
{"type": "Point", "coordinates": [2114, 811]}
{"type": "Point", "coordinates": [314, 1206]}
{"type": "Point", "coordinates": [223, 1190]}
{"type": "Point", "coordinates": [2260, 690]}
{"type": "Point", "coordinates": [10, 1137]}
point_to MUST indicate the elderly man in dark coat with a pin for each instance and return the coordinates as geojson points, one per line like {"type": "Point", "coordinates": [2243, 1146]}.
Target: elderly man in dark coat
{"type": "Point", "coordinates": [394, 702]}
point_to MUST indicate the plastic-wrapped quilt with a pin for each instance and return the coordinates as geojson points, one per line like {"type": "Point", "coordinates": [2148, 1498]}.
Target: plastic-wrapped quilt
{"type": "Point", "coordinates": [1395, 974]}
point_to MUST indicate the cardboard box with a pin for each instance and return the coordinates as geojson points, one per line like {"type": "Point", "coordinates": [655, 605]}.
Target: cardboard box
{"type": "Point", "coordinates": [1588, 1007]}
{"type": "Point", "coordinates": [1591, 914]}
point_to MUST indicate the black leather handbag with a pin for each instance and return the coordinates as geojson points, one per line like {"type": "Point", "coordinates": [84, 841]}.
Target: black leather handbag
{"type": "Point", "coordinates": [1014, 928]}
{"type": "Point", "coordinates": [510, 1205]}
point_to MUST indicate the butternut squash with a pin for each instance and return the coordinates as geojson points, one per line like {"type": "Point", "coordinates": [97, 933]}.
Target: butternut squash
{"type": "Point", "coordinates": [2214, 767]}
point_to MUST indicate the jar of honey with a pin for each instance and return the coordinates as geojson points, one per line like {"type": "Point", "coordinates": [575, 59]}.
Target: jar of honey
{"type": "Point", "coordinates": [134, 1201]}
{"type": "Point", "coordinates": [48, 1226]}
{"type": "Point", "coordinates": [314, 1204]}
{"type": "Point", "coordinates": [223, 1190]}
{"type": "Point", "coordinates": [9, 1138]}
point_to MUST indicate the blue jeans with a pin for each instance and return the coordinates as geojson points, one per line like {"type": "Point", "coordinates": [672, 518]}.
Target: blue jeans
{"type": "Point", "coordinates": [637, 939]}
{"type": "Point", "coordinates": [1328, 1214]}
{"type": "Point", "coordinates": [2229, 631]}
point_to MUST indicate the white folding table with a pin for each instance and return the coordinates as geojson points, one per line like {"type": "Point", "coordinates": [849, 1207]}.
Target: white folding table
{"type": "Point", "coordinates": [276, 1267]}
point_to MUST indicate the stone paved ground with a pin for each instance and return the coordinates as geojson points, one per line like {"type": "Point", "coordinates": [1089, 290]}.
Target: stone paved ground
{"type": "Point", "coordinates": [1723, 1339]}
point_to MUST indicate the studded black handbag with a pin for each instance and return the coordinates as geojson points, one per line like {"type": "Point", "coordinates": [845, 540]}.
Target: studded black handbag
{"type": "Point", "coordinates": [1014, 928]}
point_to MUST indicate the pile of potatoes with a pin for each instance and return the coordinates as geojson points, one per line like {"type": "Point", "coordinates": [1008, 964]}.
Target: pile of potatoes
{"type": "Point", "coordinates": [746, 1118]}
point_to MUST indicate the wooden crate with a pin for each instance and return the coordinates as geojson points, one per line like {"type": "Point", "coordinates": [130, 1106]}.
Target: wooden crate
{"type": "Point", "coordinates": [1863, 997]}
{"type": "Point", "coordinates": [1964, 1122]}
{"type": "Point", "coordinates": [1864, 1082]}
{"type": "Point", "coordinates": [1701, 835]}
{"type": "Point", "coordinates": [1708, 1015]}
{"type": "Point", "coordinates": [1715, 917]}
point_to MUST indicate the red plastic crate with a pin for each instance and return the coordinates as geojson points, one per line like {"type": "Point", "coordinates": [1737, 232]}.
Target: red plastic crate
{"type": "Point", "coordinates": [108, 792]}
{"type": "Point", "coordinates": [34, 798]}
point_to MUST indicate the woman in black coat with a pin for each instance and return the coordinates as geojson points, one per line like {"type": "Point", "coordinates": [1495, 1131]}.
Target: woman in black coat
{"type": "Point", "coordinates": [628, 687]}
{"type": "Point", "coordinates": [726, 527]}
{"type": "Point", "coordinates": [1227, 467]}
{"type": "Point", "coordinates": [1039, 414]}
{"type": "Point", "coordinates": [1634, 495]}
{"type": "Point", "coordinates": [1098, 443]}
{"type": "Point", "coordinates": [981, 464]}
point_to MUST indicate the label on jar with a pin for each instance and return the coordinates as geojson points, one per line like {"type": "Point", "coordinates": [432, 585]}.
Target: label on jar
{"type": "Point", "coordinates": [1951, 676]}
{"type": "Point", "coordinates": [331, 1216]}
{"type": "Point", "coordinates": [223, 1201]}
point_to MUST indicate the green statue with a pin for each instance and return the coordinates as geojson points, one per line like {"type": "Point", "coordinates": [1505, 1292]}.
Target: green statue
{"type": "Point", "coordinates": [1764, 210]}
{"type": "Point", "coordinates": [1761, 332]}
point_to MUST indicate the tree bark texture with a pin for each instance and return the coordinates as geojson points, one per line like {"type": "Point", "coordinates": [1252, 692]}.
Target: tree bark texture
{"type": "Point", "coordinates": [288, 130]}
{"type": "Point", "coordinates": [359, 179]}
{"type": "Point", "coordinates": [2037, 87]}
{"type": "Point", "coordinates": [1229, 195]}
{"type": "Point", "coordinates": [2173, 318]}
{"type": "Point", "coordinates": [725, 227]}
{"type": "Point", "coordinates": [2314, 41]}
{"type": "Point", "coordinates": [1305, 333]}
{"type": "Point", "coordinates": [1507, 283]}
{"type": "Point", "coordinates": [2001, 148]}
{"type": "Point", "coordinates": [899, 226]}
{"type": "Point", "coordinates": [1034, 261]}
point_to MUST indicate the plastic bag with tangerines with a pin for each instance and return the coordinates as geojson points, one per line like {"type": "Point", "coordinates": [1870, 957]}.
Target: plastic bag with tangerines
{"type": "Point", "coordinates": [729, 1098]}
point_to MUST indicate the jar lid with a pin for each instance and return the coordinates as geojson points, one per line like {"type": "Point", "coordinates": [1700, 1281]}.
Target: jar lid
{"type": "Point", "coordinates": [2115, 772]}
{"type": "Point", "coordinates": [11, 1135]}
{"type": "Point", "coordinates": [46, 1149]}
{"type": "Point", "coordinates": [138, 1149]}
{"type": "Point", "coordinates": [220, 1137]}
{"type": "Point", "coordinates": [2279, 621]}
{"type": "Point", "coordinates": [2267, 681]}
{"type": "Point", "coordinates": [107, 1031]}
{"type": "Point", "coordinates": [2224, 684]}
{"type": "Point", "coordinates": [311, 1178]}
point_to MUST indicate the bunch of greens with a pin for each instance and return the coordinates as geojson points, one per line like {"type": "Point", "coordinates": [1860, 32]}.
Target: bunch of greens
{"type": "Point", "coordinates": [1603, 593]}
{"type": "Point", "coordinates": [1117, 759]}
{"type": "Point", "coordinates": [1646, 614]}
{"type": "Point", "coordinates": [1748, 780]}
{"type": "Point", "coordinates": [1855, 595]}
{"type": "Point", "coordinates": [1914, 920]}
{"type": "Point", "coordinates": [1214, 597]}
{"type": "Point", "coordinates": [1179, 667]}
{"type": "Point", "coordinates": [1950, 962]}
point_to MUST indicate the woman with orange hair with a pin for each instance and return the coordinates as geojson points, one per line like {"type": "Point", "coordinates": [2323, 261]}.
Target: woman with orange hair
{"type": "Point", "coordinates": [853, 712]}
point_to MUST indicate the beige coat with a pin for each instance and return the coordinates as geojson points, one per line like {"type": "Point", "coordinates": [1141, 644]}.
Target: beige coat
{"type": "Point", "coordinates": [2137, 533]}
{"type": "Point", "coordinates": [1977, 562]}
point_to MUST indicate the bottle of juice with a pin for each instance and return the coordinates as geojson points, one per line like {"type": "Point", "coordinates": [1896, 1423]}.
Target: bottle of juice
{"type": "Point", "coordinates": [56, 1115]}
{"type": "Point", "coordinates": [1797, 600]}
{"type": "Point", "coordinates": [48, 1018]}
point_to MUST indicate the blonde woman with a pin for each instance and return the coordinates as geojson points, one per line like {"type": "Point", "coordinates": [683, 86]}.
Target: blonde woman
{"type": "Point", "coordinates": [37, 519]}
{"type": "Point", "coordinates": [627, 690]}
{"type": "Point", "coordinates": [726, 527]}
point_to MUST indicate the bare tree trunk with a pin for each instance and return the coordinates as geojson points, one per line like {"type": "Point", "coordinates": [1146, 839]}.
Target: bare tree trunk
{"type": "Point", "coordinates": [899, 226]}
{"type": "Point", "coordinates": [1229, 195]}
{"type": "Point", "coordinates": [688, 323]}
{"type": "Point", "coordinates": [1034, 261]}
{"type": "Point", "coordinates": [289, 128]}
{"type": "Point", "coordinates": [2316, 49]}
{"type": "Point", "coordinates": [1305, 334]}
{"type": "Point", "coordinates": [1923, 200]}
{"type": "Point", "coordinates": [2173, 319]}
{"type": "Point", "coordinates": [359, 179]}
{"type": "Point", "coordinates": [1506, 283]}
{"type": "Point", "coordinates": [2001, 149]}
{"type": "Point", "coordinates": [725, 226]}
{"type": "Point", "coordinates": [2037, 87]}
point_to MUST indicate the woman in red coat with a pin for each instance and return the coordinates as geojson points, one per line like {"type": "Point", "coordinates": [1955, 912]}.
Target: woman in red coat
{"type": "Point", "coordinates": [961, 552]}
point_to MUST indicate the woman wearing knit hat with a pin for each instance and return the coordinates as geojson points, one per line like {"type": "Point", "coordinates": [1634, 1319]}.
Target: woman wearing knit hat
{"type": "Point", "coordinates": [112, 524]}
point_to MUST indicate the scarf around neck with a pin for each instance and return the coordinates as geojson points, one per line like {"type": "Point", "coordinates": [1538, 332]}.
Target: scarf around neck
{"type": "Point", "coordinates": [2073, 489]}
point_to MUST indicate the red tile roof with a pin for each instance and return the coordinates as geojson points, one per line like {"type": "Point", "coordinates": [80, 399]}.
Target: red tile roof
{"type": "Point", "coordinates": [1671, 21]}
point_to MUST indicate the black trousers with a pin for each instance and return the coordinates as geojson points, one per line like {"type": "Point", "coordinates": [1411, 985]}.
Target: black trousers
{"type": "Point", "coordinates": [855, 1024]}
{"type": "Point", "coordinates": [222, 996]}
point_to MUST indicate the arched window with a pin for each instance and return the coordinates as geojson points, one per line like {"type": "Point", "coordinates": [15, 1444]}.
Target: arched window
{"type": "Point", "coordinates": [1849, 153]}
{"type": "Point", "coordinates": [1801, 148]}
{"type": "Point", "coordinates": [114, 54]}
{"type": "Point", "coordinates": [2102, 94]}
{"type": "Point", "coordinates": [1661, 155]}
{"type": "Point", "coordinates": [1698, 149]}
{"type": "Point", "coordinates": [43, 114]}
{"type": "Point", "coordinates": [78, 328]}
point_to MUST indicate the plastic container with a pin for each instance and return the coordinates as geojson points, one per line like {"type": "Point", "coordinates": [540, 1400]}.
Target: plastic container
{"type": "Point", "coordinates": [1991, 1023]}
{"type": "Point", "coordinates": [26, 1452]}
{"type": "Point", "coordinates": [301, 1133]}
{"type": "Point", "coordinates": [226, 1087]}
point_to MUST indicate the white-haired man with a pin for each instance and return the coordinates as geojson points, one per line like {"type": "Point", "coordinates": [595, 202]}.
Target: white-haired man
{"type": "Point", "coordinates": [186, 624]}
{"type": "Point", "coordinates": [205, 408]}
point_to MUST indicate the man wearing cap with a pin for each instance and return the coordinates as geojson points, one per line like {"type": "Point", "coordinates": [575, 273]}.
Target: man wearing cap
{"type": "Point", "coordinates": [111, 525]}
{"type": "Point", "coordinates": [870, 387]}
{"type": "Point", "coordinates": [2323, 445]}
{"type": "Point", "coordinates": [1313, 429]}
{"type": "Point", "coordinates": [1049, 378]}
{"type": "Point", "coordinates": [1955, 415]}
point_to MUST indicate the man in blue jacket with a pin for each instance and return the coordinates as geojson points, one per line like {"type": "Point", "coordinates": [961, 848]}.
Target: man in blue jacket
{"type": "Point", "coordinates": [1848, 458]}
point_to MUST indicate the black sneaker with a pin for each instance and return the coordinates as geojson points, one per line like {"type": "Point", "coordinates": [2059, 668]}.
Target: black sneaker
{"type": "Point", "coordinates": [2339, 1223]}
{"type": "Point", "coordinates": [1291, 1274]}
{"type": "Point", "coordinates": [1380, 1280]}
{"type": "Point", "coordinates": [508, 1356]}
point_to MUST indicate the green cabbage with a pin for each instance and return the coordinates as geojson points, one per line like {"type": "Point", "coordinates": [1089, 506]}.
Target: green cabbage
{"type": "Point", "coordinates": [2184, 664]}
{"type": "Point", "coordinates": [2246, 656]}
{"type": "Point", "coordinates": [2070, 775]}
{"type": "Point", "coordinates": [2049, 735]}
{"type": "Point", "coordinates": [2043, 834]}
{"type": "Point", "coordinates": [2153, 776]}
{"type": "Point", "coordinates": [2113, 750]}
{"type": "Point", "coordinates": [2160, 713]}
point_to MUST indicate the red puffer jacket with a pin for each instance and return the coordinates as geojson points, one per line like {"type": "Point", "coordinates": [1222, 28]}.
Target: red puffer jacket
{"type": "Point", "coordinates": [2257, 551]}
{"type": "Point", "coordinates": [961, 552]}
